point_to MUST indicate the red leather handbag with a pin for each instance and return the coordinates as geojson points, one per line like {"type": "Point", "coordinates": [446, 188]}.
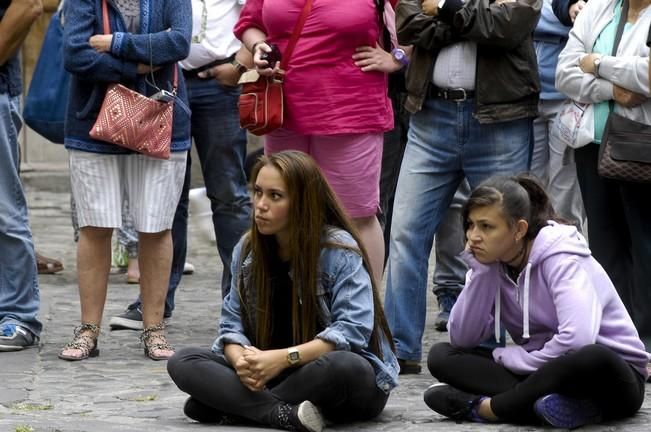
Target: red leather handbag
{"type": "Point", "coordinates": [132, 120]}
{"type": "Point", "coordinates": [261, 103]}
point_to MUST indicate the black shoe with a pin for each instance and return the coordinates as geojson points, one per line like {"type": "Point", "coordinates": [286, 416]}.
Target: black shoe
{"type": "Point", "coordinates": [446, 301]}
{"type": "Point", "coordinates": [131, 319]}
{"type": "Point", "coordinates": [452, 403]}
{"type": "Point", "coordinates": [409, 367]}
{"type": "Point", "coordinates": [304, 417]}
{"type": "Point", "coordinates": [205, 414]}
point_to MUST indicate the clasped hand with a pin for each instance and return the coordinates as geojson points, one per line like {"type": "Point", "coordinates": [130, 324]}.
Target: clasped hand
{"type": "Point", "coordinates": [256, 368]}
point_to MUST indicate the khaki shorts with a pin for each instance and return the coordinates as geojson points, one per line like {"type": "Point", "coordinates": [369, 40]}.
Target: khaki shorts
{"type": "Point", "coordinates": [101, 182]}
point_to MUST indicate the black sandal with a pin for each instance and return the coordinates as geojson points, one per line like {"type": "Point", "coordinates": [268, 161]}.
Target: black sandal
{"type": "Point", "coordinates": [155, 341]}
{"type": "Point", "coordinates": [83, 342]}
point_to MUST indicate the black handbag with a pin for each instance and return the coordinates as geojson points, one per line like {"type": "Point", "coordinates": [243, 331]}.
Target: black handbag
{"type": "Point", "coordinates": [625, 151]}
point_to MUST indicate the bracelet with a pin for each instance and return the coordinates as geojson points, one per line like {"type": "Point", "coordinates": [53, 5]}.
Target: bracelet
{"type": "Point", "coordinates": [255, 45]}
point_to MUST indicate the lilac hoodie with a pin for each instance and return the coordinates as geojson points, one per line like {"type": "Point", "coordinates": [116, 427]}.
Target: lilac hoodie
{"type": "Point", "coordinates": [563, 301]}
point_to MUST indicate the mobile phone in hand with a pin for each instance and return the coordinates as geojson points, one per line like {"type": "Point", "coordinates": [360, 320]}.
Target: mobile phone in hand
{"type": "Point", "coordinates": [272, 56]}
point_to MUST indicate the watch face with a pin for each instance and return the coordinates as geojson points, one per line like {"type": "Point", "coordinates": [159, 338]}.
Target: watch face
{"type": "Point", "coordinates": [294, 356]}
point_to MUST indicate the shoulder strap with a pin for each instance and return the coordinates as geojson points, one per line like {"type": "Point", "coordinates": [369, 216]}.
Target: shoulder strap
{"type": "Point", "coordinates": [386, 36]}
{"type": "Point", "coordinates": [618, 37]}
{"type": "Point", "coordinates": [298, 28]}
{"type": "Point", "coordinates": [105, 18]}
{"type": "Point", "coordinates": [620, 27]}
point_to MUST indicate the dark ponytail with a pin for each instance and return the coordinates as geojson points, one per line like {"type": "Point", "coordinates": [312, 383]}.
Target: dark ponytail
{"type": "Point", "coordinates": [520, 197]}
{"type": "Point", "coordinates": [541, 209]}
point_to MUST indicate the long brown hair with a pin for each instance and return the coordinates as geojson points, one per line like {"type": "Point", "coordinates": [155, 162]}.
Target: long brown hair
{"type": "Point", "coordinates": [313, 207]}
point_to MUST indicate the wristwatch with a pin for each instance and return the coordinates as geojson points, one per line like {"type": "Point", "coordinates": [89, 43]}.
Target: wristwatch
{"type": "Point", "coordinates": [239, 67]}
{"type": "Point", "coordinates": [293, 356]}
{"type": "Point", "coordinates": [400, 56]}
{"type": "Point", "coordinates": [596, 63]}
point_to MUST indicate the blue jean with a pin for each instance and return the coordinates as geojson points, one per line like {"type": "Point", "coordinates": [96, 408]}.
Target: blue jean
{"type": "Point", "coordinates": [446, 143]}
{"type": "Point", "coordinates": [19, 294]}
{"type": "Point", "coordinates": [221, 146]}
{"type": "Point", "coordinates": [548, 163]}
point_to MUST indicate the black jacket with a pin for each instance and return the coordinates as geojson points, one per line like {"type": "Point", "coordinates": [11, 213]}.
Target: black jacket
{"type": "Point", "coordinates": [507, 84]}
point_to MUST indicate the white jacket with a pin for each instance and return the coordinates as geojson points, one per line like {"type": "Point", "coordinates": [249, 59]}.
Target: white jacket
{"type": "Point", "coordinates": [629, 69]}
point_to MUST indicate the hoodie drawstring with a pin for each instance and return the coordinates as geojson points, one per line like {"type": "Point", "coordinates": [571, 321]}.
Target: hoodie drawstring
{"type": "Point", "coordinates": [498, 312]}
{"type": "Point", "coordinates": [525, 308]}
{"type": "Point", "coordinates": [525, 303]}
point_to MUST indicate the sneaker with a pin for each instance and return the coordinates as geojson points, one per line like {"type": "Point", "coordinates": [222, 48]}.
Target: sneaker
{"type": "Point", "coordinates": [304, 417]}
{"type": "Point", "coordinates": [309, 417]}
{"type": "Point", "coordinates": [188, 268]}
{"type": "Point", "coordinates": [565, 412]}
{"type": "Point", "coordinates": [446, 301]}
{"type": "Point", "coordinates": [131, 319]}
{"type": "Point", "coordinates": [453, 403]}
{"type": "Point", "coordinates": [409, 367]}
{"type": "Point", "coordinates": [16, 338]}
{"type": "Point", "coordinates": [204, 414]}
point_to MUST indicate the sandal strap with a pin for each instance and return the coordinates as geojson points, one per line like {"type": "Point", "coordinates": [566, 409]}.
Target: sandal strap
{"type": "Point", "coordinates": [85, 327]}
{"type": "Point", "coordinates": [83, 341]}
{"type": "Point", "coordinates": [153, 340]}
{"type": "Point", "coordinates": [149, 332]}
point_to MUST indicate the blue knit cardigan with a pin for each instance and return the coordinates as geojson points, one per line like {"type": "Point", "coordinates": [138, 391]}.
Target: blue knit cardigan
{"type": "Point", "coordinates": [164, 39]}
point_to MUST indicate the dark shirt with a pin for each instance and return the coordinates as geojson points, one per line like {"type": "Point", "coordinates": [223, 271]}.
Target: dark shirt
{"type": "Point", "coordinates": [10, 79]}
{"type": "Point", "coordinates": [281, 314]}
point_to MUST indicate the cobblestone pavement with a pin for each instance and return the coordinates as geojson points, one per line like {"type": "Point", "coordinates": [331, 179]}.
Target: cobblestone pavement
{"type": "Point", "coordinates": [121, 390]}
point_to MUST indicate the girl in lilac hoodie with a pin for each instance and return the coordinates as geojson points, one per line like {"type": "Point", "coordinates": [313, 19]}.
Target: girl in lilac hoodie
{"type": "Point", "coordinates": [576, 358]}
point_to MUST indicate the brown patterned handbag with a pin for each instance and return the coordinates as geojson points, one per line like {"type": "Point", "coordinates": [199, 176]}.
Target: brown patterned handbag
{"type": "Point", "coordinates": [625, 152]}
{"type": "Point", "coordinates": [132, 120]}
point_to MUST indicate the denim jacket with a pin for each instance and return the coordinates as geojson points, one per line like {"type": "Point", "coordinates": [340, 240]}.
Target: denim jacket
{"type": "Point", "coordinates": [164, 39]}
{"type": "Point", "coordinates": [10, 79]}
{"type": "Point", "coordinates": [345, 306]}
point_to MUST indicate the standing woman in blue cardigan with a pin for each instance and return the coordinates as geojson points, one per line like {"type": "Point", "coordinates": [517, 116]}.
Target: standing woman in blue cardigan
{"type": "Point", "coordinates": [145, 36]}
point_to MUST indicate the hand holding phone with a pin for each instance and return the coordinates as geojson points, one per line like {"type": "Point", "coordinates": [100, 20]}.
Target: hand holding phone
{"type": "Point", "coordinates": [272, 56]}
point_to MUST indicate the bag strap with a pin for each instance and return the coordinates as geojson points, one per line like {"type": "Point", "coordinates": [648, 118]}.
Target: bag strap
{"type": "Point", "coordinates": [618, 37]}
{"type": "Point", "coordinates": [298, 28]}
{"type": "Point", "coordinates": [107, 30]}
{"type": "Point", "coordinates": [620, 27]}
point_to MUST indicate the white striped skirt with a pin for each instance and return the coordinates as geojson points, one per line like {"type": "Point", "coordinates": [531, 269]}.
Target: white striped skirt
{"type": "Point", "coordinates": [100, 182]}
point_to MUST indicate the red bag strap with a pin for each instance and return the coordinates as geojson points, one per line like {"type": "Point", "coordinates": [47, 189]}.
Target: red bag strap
{"type": "Point", "coordinates": [298, 28]}
{"type": "Point", "coordinates": [107, 30]}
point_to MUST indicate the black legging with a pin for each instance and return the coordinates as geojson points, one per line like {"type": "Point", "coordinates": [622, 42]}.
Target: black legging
{"type": "Point", "coordinates": [342, 384]}
{"type": "Point", "coordinates": [594, 372]}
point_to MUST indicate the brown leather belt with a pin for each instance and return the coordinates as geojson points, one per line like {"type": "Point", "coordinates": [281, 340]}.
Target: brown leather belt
{"type": "Point", "coordinates": [456, 95]}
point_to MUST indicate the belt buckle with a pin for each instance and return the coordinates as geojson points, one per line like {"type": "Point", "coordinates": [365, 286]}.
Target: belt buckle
{"type": "Point", "coordinates": [462, 90]}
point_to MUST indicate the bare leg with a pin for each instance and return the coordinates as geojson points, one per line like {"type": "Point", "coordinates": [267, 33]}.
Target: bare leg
{"type": "Point", "coordinates": [155, 261]}
{"type": "Point", "coordinates": [370, 233]}
{"type": "Point", "coordinates": [93, 266]}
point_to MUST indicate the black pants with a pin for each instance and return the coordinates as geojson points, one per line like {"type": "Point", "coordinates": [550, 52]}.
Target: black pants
{"type": "Point", "coordinates": [342, 384]}
{"type": "Point", "coordinates": [619, 228]}
{"type": "Point", "coordinates": [394, 145]}
{"type": "Point", "coordinates": [594, 372]}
